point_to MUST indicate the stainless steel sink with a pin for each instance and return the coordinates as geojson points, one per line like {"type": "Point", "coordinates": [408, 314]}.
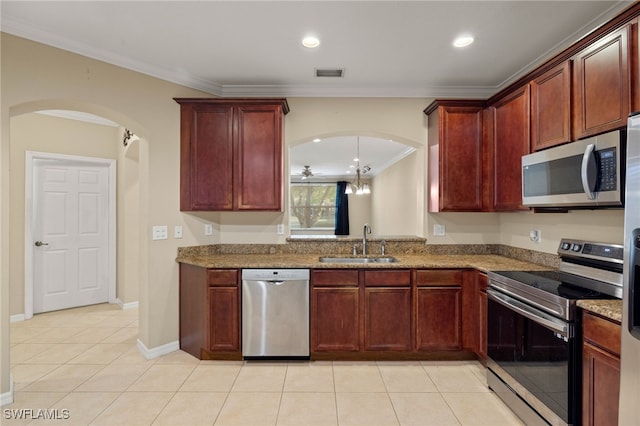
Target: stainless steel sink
{"type": "Point", "coordinates": [380, 259]}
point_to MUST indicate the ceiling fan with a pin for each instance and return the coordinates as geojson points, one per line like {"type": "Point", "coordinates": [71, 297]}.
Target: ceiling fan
{"type": "Point", "coordinates": [306, 172]}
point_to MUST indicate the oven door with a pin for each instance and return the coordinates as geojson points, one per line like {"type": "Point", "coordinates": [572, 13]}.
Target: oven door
{"type": "Point", "coordinates": [536, 356]}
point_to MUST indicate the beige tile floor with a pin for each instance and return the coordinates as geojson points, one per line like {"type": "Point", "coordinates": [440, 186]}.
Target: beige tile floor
{"type": "Point", "coordinates": [83, 364]}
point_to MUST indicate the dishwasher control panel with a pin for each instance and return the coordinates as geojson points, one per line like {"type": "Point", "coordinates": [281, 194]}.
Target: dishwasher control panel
{"type": "Point", "coordinates": [275, 274]}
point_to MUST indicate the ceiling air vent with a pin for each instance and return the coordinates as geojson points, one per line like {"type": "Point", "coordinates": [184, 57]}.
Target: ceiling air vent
{"type": "Point", "coordinates": [329, 72]}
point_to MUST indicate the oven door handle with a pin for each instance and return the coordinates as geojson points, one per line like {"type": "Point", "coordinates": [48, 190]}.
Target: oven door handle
{"type": "Point", "coordinates": [533, 314]}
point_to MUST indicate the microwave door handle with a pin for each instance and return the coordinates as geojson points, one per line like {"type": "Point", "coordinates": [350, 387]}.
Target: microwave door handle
{"type": "Point", "coordinates": [588, 171]}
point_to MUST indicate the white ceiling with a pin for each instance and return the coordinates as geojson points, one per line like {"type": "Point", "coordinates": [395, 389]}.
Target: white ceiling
{"type": "Point", "coordinates": [243, 48]}
{"type": "Point", "coordinates": [247, 48]}
{"type": "Point", "coordinates": [333, 157]}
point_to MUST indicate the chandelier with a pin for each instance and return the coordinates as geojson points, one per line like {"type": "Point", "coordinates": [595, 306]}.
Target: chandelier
{"type": "Point", "coordinates": [357, 186]}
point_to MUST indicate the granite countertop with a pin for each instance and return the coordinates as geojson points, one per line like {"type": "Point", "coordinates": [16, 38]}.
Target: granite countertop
{"type": "Point", "coordinates": [481, 262]}
{"type": "Point", "coordinates": [611, 309]}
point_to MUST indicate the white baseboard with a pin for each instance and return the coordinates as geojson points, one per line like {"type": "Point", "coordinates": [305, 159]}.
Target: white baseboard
{"type": "Point", "coordinates": [158, 351]}
{"type": "Point", "coordinates": [130, 305]}
{"type": "Point", "coordinates": [7, 397]}
{"type": "Point", "coordinates": [17, 318]}
{"type": "Point", "coordinates": [124, 306]}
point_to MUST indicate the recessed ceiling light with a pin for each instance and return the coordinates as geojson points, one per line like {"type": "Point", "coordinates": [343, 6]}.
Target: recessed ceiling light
{"type": "Point", "coordinates": [310, 42]}
{"type": "Point", "coordinates": [316, 140]}
{"type": "Point", "coordinates": [463, 41]}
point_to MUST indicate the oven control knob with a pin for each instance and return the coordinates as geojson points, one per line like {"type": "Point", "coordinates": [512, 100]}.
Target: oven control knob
{"type": "Point", "coordinates": [566, 246]}
{"type": "Point", "coordinates": [576, 247]}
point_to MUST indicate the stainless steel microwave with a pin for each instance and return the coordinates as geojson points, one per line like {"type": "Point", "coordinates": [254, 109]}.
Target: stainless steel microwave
{"type": "Point", "coordinates": [584, 174]}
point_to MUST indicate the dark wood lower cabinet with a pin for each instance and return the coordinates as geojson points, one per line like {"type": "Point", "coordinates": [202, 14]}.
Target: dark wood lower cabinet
{"type": "Point", "coordinates": [354, 313]}
{"type": "Point", "coordinates": [387, 324]}
{"type": "Point", "coordinates": [224, 319]}
{"type": "Point", "coordinates": [393, 314]}
{"type": "Point", "coordinates": [600, 370]}
{"type": "Point", "coordinates": [335, 325]}
{"type": "Point", "coordinates": [438, 318]}
{"type": "Point", "coordinates": [210, 312]}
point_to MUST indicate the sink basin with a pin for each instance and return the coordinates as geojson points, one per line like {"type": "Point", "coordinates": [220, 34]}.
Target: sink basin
{"type": "Point", "coordinates": [381, 259]}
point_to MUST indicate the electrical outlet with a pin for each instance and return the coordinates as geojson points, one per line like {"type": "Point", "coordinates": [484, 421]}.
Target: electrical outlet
{"type": "Point", "coordinates": [159, 232]}
{"type": "Point", "coordinates": [177, 231]}
{"type": "Point", "coordinates": [280, 229]}
{"type": "Point", "coordinates": [208, 229]}
{"type": "Point", "coordinates": [438, 230]}
{"type": "Point", "coordinates": [535, 235]}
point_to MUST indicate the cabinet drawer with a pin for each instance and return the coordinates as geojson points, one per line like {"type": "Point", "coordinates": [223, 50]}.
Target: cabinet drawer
{"type": "Point", "coordinates": [334, 277]}
{"type": "Point", "coordinates": [439, 277]}
{"type": "Point", "coordinates": [601, 332]}
{"type": "Point", "coordinates": [387, 278]}
{"type": "Point", "coordinates": [224, 277]}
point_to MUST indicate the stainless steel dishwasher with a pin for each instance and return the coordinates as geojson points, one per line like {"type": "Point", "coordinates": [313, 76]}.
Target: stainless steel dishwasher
{"type": "Point", "coordinates": [275, 313]}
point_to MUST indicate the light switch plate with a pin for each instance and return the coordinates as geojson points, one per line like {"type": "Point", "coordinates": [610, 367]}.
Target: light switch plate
{"type": "Point", "coordinates": [159, 232]}
{"type": "Point", "coordinates": [177, 231]}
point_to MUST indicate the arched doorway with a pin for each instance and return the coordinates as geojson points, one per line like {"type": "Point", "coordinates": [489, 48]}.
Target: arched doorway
{"type": "Point", "coordinates": [71, 138]}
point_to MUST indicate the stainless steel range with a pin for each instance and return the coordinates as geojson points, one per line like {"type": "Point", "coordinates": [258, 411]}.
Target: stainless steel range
{"type": "Point", "coordinates": [534, 330]}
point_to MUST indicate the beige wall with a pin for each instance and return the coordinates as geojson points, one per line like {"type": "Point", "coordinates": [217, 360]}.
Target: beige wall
{"type": "Point", "coordinates": [41, 133]}
{"type": "Point", "coordinates": [398, 198]}
{"type": "Point", "coordinates": [37, 77]}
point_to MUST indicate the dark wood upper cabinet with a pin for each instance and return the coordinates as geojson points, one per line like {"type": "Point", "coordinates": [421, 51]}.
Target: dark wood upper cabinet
{"type": "Point", "coordinates": [602, 84]}
{"type": "Point", "coordinates": [231, 154]}
{"type": "Point", "coordinates": [511, 141]}
{"type": "Point", "coordinates": [551, 107]}
{"type": "Point", "coordinates": [455, 134]}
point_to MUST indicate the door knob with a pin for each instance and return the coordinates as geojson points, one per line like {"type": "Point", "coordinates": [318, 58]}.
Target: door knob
{"type": "Point", "coordinates": [40, 243]}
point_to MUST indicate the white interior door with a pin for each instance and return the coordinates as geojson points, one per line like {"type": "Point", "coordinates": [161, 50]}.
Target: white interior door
{"type": "Point", "coordinates": [70, 234]}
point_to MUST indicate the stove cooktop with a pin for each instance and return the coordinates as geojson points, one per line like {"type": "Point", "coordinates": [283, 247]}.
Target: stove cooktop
{"type": "Point", "coordinates": [557, 283]}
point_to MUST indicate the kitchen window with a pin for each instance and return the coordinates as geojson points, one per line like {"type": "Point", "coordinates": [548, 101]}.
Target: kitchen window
{"type": "Point", "coordinates": [313, 206]}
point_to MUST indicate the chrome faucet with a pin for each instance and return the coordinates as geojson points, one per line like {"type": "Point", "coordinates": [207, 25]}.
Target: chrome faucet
{"type": "Point", "coordinates": [366, 230]}
{"type": "Point", "coordinates": [383, 247]}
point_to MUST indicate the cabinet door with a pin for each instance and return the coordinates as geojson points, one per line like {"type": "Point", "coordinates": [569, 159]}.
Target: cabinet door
{"type": "Point", "coordinates": [206, 155]}
{"type": "Point", "coordinates": [600, 386]}
{"type": "Point", "coordinates": [456, 158]}
{"type": "Point", "coordinates": [259, 158]}
{"type": "Point", "coordinates": [551, 108]}
{"type": "Point", "coordinates": [438, 318]}
{"type": "Point", "coordinates": [335, 319]}
{"type": "Point", "coordinates": [387, 323]}
{"type": "Point", "coordinates": [602, 85]}
{"type": "Point", "coordinates": [224, 319]}
{"type": "Point", "coordinates": [511, 133]}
